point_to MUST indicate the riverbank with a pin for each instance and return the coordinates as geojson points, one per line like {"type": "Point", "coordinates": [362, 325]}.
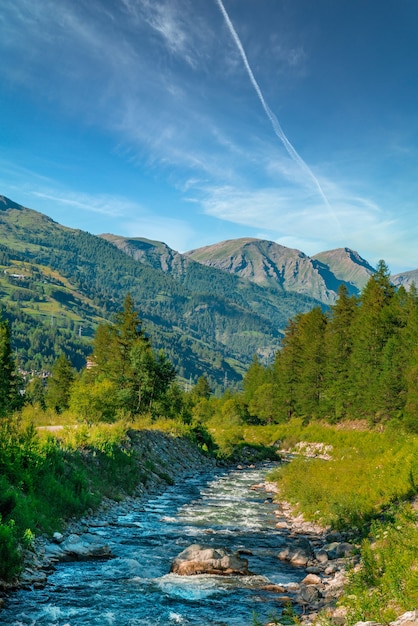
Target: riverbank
{"type": "Point", "coordinates": [327, 557]}
{"type": "Point", "coordinates": [160, 459]}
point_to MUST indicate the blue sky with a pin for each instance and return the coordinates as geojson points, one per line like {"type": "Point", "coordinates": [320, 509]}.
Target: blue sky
{"type": "Point", "coordinates": [195, 121]}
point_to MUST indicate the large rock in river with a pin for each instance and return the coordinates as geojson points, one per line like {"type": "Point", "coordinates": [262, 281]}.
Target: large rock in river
{"type": "Point", "coordinates": [78, 548]}
{"type": "Point", "coordinates": [198, 559]}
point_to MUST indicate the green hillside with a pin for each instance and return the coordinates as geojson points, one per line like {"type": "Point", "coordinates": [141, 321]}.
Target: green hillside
{"type": "Point", "coordinates": [67, 280]}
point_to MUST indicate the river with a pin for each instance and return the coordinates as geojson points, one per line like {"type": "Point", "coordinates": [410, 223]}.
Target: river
{"type": "Point", "coordinates": [136, 589]}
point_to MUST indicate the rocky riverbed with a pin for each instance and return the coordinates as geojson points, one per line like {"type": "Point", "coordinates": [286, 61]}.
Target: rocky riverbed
{"type": "Point", "coordinates": [165, 459]}
{"type": "Point", "coordinates": [322, 556]}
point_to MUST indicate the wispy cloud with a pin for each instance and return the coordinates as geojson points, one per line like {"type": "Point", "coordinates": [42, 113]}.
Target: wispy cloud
{"type": "Point", "coordinates": [112, 206]}
{"type": "Point", "coordinates": [292, 152]}
{"type": "Point", "coordinates": [294, 219]}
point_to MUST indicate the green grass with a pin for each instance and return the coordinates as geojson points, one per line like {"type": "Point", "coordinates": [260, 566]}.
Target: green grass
{"type": "Point", "coordinates": [368, 472]}
{"type": "Point", "coordinates": [46, 480]}
{"type": "Point", "coordinates": [387, 583]}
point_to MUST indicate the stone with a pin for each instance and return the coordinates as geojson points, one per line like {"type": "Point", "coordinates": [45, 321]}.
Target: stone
{"type": "Point", "coordinates": [321, 556]}
{"type": "Point", "coordinates": [339, 549]}
{"type": "Point", "coordinates": [298, 553]}
{"type": "Point", "coordinates": [78, 548]}
{"type": "Point", "coordinates": [311, 579]}
{"type": "Point", "coordinates": [57, 537]}
{"type": "Point", "coordinates": [308, 594]}
{"type": "Point", "coordinates": [410, 618]}
{"type": "Point", "coordinates": [200, 559]}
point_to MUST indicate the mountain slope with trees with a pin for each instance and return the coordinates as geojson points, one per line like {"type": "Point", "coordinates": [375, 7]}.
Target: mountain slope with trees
{"type": "Point", "coordinates": [67, 281]}
{"type": "Point", "coordinates": [357, 361]}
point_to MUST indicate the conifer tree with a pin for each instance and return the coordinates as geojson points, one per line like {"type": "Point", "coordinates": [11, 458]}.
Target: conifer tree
{"type": "Point", "coordinates": [59, 384]}
{"type": "Point", "coordinates": [9, 392]}
{"type": "Point", "coordinates": [286, 372]}
{"type": "Point", "coordinates": [337, 393]}
{"type": "Point", "coordinates": [373, 326]}
{"type": "Point", "coordinates": [202, 388]}
{"type": "Point", "coordinates": [311, 375]}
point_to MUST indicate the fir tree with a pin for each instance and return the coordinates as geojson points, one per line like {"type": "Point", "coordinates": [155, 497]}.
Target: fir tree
{"type": "Point", "coordinates": [338, 349]}
{"type": "Point", "coordinates": [9, 392]}
{"type": "Point", "coordinates": [59, 384]}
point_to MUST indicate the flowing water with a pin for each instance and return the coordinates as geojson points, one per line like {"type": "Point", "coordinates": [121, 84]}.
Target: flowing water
{"type": "Point", "coordinates": [136, 589]}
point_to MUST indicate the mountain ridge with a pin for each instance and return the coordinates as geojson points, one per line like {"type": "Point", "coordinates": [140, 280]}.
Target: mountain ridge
{"type": "Point", "coordinates": [270, 264]}
{"type": "Point", "coordinates": [208, 320]}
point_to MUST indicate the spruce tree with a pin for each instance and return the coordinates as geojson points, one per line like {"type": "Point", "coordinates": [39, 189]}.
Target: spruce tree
{"type": "Point", "coordinates": [59, 384]}
{"type": "Point", "coordinates": [286, 372]}
{"type": "Point", "coordinates": [9, 392]}
{"type": "Point", "coordinates": [310, 382]}
{"type": "Point", "coordinates": [337, 391]}
{"type": "Point", "coordinates": [372, 328]}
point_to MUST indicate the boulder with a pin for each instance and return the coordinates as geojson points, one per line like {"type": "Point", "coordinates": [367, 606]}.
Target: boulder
{"type": "Point", "coordinates": [199, 559]}
{"type": "Point", "coordinates": [297, 553]}
{"type": "Point", "coordinates": [311, 579]}
{"type": "Point", "coordinates": [338, 550]}
{"type": "Point", "coordinates": [78, 548]}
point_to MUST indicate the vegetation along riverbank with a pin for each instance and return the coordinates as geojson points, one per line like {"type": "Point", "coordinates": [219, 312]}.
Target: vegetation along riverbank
{"type": "Point", "coordinates": [339, 403]}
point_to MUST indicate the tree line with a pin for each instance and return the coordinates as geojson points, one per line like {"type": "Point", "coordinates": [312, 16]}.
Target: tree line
{"type": "Point", "coordinates": [359, 360]}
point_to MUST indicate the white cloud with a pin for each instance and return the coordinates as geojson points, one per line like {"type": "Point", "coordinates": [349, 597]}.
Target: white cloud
{"type": "Point", "coordinates": [112, 206]}
{"type": "Point", "coordinates": [295, 219]}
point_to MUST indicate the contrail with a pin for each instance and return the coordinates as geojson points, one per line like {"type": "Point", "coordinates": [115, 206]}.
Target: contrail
{"type": "Point", "coordinates": [273, 119]}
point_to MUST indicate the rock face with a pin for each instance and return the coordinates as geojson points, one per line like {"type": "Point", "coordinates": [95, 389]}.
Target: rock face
{"type": "Point", "coordinates": [198, 559]}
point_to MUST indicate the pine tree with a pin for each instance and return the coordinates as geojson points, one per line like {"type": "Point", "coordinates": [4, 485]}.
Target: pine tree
{"type": "Point", "coordinates": [309, 387]}
{"type": "Point", "coordinates": [372, 328]}
{"type": "Point", "coordinates": [286, 372]}
{"type": "Point", "coordinates": [9, 392]}
{"type": "Point", "coordinates": [336, 398]}
{"type": "Point", "coordinates": [59, 384]}
{"type": "Point", "coordinates": [202, 388]}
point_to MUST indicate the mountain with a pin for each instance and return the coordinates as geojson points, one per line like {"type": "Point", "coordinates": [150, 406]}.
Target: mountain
{"type": "Point", "coordinates": [152, 253]}
{"type": "Point", "coordinates": [58, 283]}
{"type": "Point", "coordinates": [406, 279]}
{"type": "Point", "coordinates": [285, 269]}
{"type": "Point", "coordinates": [210, 309]}
{"type": "Point", "coordinates": [346, 266]}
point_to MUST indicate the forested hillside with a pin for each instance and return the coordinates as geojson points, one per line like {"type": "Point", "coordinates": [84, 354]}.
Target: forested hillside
{"type": "Point", "coordinates": [67, 281]}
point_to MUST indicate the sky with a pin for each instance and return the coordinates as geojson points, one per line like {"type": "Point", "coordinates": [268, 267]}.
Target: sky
{"type": "Point", "coordinates": [195, 121]}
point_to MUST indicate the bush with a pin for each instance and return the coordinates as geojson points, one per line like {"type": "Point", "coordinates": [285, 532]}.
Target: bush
{"type": "Point", "coordinates": [10, 556]}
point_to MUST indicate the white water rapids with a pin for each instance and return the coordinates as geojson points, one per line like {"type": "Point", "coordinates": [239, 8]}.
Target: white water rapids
{"type": "Point", "coordinates": [136, 589]}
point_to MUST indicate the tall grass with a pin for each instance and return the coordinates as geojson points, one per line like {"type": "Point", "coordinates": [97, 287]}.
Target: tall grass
{"type": "Point", "coordinates": [45, 480]}
{"type": "Point", "coordinates": [387, 583]}
{"type": "Point", "coordinates": [368, 472]}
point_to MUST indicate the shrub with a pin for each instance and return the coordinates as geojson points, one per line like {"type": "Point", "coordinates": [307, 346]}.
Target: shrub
{"type": "Point", "coordinates": [10, 556]}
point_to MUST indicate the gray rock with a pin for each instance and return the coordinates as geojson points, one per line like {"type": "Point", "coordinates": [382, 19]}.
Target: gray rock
{"type": "Point", "coordinates": [78, 548]}
{"type": "Point", "coordinates": [199, 559]}
{"type": "Point", "coordinates": [298, 553]}
{"type": "Point", "coordinates": [321, 556]}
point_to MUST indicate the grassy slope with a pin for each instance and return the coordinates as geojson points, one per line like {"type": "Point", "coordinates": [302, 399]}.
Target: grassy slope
{"type": "Point", "coordinates": [208, 321]}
